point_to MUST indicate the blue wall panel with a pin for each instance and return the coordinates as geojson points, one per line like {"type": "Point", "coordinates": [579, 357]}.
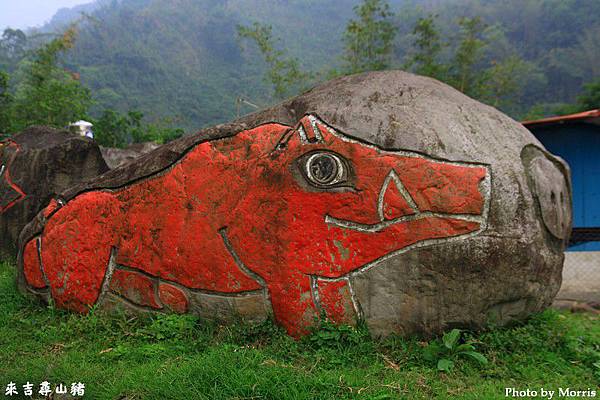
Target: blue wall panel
{"type": "Point", "coordinates": [579, 145]}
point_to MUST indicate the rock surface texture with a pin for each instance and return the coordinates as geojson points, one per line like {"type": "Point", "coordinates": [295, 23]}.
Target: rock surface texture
{"type": "Point", "coordinates": [384, 197]}
{"type": "Point", "coordinates": [36, 164]}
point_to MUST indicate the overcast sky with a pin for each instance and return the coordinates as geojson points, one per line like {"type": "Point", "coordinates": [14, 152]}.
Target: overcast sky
{"type": "Point", "coordinates": [28, 13]}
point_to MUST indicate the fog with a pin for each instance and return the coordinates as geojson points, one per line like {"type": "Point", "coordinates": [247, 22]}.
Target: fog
{"type": "Point", "coordinates": [31, 13]}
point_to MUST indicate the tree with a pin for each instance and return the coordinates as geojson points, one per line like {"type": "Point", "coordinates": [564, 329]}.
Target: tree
{"type": "Point", "coordinates": [498, 82]}
{"type": "Point", "coordinates": [48, 94]}
{"type": "Point", "coordinates": [425, 61]}
{"type": "Point", "coordinates": [113, 129]}
{"type": "Point", "coordinates": [503, 82]}
{"type": "Point", "coordinates": [13, 42]}
{"type": "Point", "coordinates": [464, 75]}
{"type": "Point", "coordinates": [369, 39]}
{"type": "Point", "coordinates": [156, 132]}
{"type": "Point", "coordinates": [12, 48]}
{"type": "Point", "coordinates": [5, 105]}
{"type": "Point", "coordinates": [581, 60]}
{"type": "Point", "coordinates": [590, 98]}
{"type": "Point", "coordinates": [283, 72]}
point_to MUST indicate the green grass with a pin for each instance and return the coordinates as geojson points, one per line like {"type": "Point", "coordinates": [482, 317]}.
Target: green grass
{"type": "Point", "coordinates": [181, 357]}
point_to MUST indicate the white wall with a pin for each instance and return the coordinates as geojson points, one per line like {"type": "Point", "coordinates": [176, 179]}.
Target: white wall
{"type": "Point", "coordinates": [581, 276]}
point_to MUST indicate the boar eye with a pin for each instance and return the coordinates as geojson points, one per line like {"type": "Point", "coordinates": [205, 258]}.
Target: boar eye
{"type": "Point", "coordinates": [325, 169]}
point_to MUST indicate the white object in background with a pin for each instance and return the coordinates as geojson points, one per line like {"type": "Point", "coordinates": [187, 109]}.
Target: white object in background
{"type": "Point", "coordinates": [83, 128]}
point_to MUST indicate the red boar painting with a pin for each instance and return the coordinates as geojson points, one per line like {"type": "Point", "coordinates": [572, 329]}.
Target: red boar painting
{"type": "Point", "coordinates": [292, 211]}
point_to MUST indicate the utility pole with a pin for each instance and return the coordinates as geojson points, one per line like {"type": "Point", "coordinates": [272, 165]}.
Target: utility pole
{"type": "Point", "coordinates": [238, 103]}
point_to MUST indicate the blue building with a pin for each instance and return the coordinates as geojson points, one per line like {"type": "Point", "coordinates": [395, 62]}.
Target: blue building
{"type": "Point", "coordinates": [576, 138]}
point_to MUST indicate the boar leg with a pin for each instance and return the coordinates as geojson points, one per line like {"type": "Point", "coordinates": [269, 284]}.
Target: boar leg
{"type": "Point", "coordinates": [334, 298]}
{"type": "Point", "coordinates": [78, 249]}
{"type": "Point", "coordinates": [293, 304]}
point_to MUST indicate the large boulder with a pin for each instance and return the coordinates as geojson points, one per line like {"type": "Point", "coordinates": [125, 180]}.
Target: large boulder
{"type": "Point", "coordinates": [385, 196]}
{"type": "Point", "coordinates": [37, 164]}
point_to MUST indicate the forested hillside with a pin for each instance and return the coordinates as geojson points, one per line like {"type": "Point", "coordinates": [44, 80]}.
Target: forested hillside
{"type": "Point", "coordinates": [184, 59]}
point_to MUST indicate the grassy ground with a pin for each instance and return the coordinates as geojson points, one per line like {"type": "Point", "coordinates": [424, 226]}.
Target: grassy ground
{"type": "Point", "coordinates": [180, 357]}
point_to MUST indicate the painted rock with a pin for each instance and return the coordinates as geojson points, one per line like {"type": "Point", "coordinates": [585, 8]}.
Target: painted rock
{"type": "Point", "coordinates": [35, 165]}
{"type": "Point", "coordinates": [383, 197]}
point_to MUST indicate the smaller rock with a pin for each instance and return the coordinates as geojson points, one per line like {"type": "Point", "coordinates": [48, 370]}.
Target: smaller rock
{"type": "Point", "coordinates": [115, 157]}
{"type": "Point", "coordinates": [35, 165]}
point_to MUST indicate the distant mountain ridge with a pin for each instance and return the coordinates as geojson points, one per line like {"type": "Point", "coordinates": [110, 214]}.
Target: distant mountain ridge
{"type": "Point", "coordinates": [66, 15]}
{"type": "Point", "coordinates": [183, 59]}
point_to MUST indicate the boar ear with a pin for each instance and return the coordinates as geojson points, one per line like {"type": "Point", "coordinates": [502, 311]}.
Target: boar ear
{"type": "Point", "coordinates": [311, 129]}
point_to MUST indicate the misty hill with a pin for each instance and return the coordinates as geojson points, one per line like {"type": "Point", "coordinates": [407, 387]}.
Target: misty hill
{"type": "Point", "coordinates": [66, 15]}
{"type": "Point", "coordinates": [183, 57]}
